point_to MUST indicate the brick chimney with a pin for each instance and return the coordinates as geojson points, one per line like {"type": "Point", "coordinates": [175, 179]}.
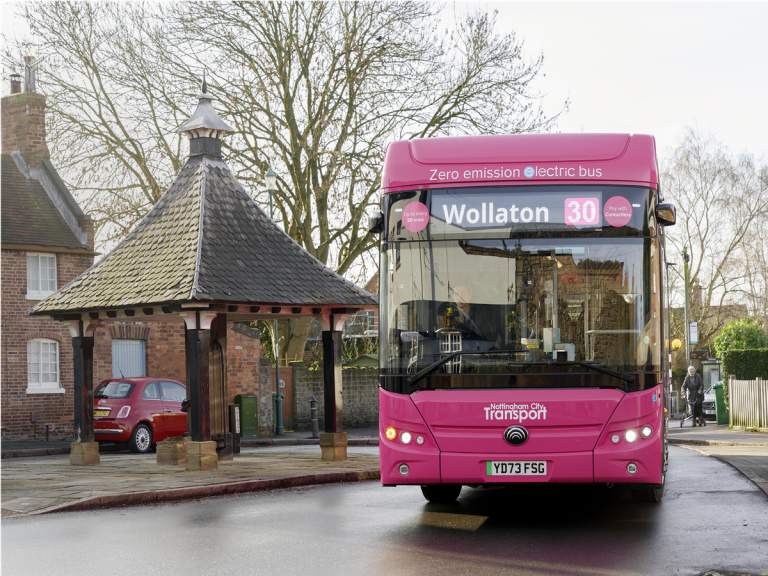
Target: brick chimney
{"type": "Point", "coordinates": [23, 120]}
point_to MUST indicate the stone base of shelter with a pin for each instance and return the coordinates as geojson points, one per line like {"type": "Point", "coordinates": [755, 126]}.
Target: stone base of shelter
{"type": "Point", "coordinates": [202, 456]}
{"type": "Point", "coordinates": [333, 446]}
{"type": "Point", "coordinates": [172, 451]}
{"type": "Point", "coordinates": [84, 454]}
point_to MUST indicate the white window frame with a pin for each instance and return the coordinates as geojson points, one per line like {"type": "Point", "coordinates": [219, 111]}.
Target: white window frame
{"type": "Point", "coordinates": [41, 294]}
{"type": "Point", "coordinates": [51, 387]}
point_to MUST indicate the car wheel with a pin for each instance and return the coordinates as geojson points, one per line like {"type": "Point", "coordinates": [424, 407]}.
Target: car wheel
{"type": "Point", "coordinates": [441, 493]}
{"type": "Point", "coordinates": [141, 439]}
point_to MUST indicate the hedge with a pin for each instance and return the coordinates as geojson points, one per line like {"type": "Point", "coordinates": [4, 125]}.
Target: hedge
{"type": "Point", "coordinates": [745, 364]}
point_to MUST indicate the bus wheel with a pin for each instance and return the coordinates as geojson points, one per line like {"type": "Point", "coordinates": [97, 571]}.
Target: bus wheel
{"type": "Point", "coordinates": [441, 493]}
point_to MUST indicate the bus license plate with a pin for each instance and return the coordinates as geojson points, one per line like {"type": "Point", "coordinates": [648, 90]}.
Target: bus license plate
{"type": "Point", "coordinates": [516, 468]}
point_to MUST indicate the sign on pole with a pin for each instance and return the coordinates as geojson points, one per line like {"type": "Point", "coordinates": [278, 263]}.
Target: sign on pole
{"type": "Point", "coordinates": [694, 333]}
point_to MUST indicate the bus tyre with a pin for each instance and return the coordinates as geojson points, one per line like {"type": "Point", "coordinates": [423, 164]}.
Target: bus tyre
{"type": "Point", "coordinates": [648, 495]}
{"type": "Point", "coordinates": [652, 494]}
{"type": "Point", "coordinates": [441, 493]}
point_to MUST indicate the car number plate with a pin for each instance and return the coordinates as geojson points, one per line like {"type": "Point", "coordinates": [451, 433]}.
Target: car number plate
{"type": "Point", "coordinates": [101, 412]}
{"type": "Point", "coordinates": [516, 468]}
{"type": "Point", "coordinates": [709, 411]}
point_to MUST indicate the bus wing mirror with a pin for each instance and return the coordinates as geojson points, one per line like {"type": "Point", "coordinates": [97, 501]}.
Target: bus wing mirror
{"type": "Point", "coordinates": [666, 214]}
{"type": "Point", "coordinates": [376, 222]}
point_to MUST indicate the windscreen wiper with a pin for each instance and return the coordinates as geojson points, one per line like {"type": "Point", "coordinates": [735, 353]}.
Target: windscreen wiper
{"type": "Point", "coordinates": [432, 367]}
{"type": "Point", "coordinates": [622, 375]}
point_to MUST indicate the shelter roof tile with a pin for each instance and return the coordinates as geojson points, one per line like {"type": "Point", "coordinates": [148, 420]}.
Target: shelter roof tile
{"type": "Point", "coordinates": [238, 254]}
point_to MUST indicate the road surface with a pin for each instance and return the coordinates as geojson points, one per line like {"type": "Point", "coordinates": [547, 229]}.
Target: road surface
{"type": "Point", "coordinates": [711, 518]}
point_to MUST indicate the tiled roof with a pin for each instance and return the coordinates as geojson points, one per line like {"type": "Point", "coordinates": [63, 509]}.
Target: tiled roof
{"type": "Point", "coordinates": [28, 214]}
{"type": "Point", "coordinates": [240, 256]}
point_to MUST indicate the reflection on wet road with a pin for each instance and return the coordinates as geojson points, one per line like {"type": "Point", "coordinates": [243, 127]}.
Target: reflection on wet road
{"type": "Point", "coordinates": [711, 518]}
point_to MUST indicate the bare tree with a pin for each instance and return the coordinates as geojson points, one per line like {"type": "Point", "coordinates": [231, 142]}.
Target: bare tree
{"type": "Point", "coordinates": [315, 89]}
{"type": "Point", "coordinates": [722, 204]}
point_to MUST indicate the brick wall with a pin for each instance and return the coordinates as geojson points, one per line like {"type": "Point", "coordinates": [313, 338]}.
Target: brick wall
{"type": "Point", "coordinates": [164, 348]}
{"type": "Point", "coordinates": [17, 329]}
{"type": "Point", "coordinates": [23, 126]}
{"type": "Point", "coordinates": [360, 396]}
{"type": "Point", "coordinates": [243, 355]}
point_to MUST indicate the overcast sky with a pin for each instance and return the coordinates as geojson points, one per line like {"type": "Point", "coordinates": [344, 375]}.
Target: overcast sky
{"type": "Point", "coordinates": [643, 68]}
{"type": "Point", "coordinates": [652, 68]}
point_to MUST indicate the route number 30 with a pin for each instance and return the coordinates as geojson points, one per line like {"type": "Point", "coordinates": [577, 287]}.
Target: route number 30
{"type": "Point", "coordinates": [581, 211]}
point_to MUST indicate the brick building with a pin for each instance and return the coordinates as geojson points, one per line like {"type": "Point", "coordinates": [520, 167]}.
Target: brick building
{"type": "Point", "coordinates": [47, 241]}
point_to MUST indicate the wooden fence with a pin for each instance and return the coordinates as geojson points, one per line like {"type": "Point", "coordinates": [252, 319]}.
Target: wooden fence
{"type": "Point", "coordinates": [748, 403]}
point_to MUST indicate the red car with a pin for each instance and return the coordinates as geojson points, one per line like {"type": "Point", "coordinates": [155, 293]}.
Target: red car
{"type": "Point", "coordinates": [139, 411]}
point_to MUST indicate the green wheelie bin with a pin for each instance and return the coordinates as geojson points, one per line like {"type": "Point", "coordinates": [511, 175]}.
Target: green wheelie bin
{"type": "Point", "coordinates": [720, 409]}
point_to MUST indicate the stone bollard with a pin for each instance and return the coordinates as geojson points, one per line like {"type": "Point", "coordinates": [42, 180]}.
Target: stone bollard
{"type": "Point", "coordinates": [84, 454]}
{"type": "Point", "coordinates": [313, 417]}
{"type": "Point", "coordinates": [202, 456]}
{"type": "Point", "coordinates": [172, 451]}
{"type": "Point", "coordinates": [333, 446]}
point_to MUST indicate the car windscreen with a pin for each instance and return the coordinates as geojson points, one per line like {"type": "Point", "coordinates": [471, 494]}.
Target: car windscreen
{"type": "Point", "coordinates": [115, 389]}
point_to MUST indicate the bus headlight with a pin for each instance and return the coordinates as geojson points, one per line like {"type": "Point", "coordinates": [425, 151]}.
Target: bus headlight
{"type": "Point", "coordinates": [390, 433]}
{"type": "Point", "coordinates": [403, 469]}
{"type": "Point", "coordinates": [419, 440]}
{"type": "Point", "coordinates": [632, 468]}
{"type": "Point", "coordinates": [405, 437]}
{"type": "Point", "coordinates": [631, 435]}
{"type": "Point", "coordinates": [615, 438]}
{"type": "Point", "coordinates": [646, 431]}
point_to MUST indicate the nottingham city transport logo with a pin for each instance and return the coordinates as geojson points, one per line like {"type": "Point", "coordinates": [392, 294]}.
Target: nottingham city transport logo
{"type": "Point", "coordinates": [515, 435]}
{"type": "Point", "coordinates": [516, 412]}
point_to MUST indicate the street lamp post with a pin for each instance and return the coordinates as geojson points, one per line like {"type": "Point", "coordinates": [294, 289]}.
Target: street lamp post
{"type": "Point", "coordinates": [271, 181]}
{"type": "Point", "coordinates": [686, 258]}
{"type": "Point", "coordinates": [669, 351]}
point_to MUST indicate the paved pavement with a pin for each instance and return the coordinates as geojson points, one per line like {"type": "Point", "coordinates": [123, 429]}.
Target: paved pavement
{"type": "Point", "coordinates": [27, 448]}
{"type": "Point", "coordinates": [711, 518]}
{"type": "Point", "coordinates": [745, 451]}
{"type": "Point", "coordinates": [714, 434]}
{"type": "Point", "coordinates": [35, 485]}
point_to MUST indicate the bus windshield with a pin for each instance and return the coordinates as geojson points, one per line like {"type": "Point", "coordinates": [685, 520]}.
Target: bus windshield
{"type": "Point", "coordinates": [539, 299]}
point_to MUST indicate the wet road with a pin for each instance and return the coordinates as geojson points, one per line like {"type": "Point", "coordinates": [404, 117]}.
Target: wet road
{"type": "Point", "coordinates": [711, 518]}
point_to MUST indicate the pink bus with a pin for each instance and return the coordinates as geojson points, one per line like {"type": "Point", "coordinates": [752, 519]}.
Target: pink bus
{"type": "Point", "coordinates": [523, 324]}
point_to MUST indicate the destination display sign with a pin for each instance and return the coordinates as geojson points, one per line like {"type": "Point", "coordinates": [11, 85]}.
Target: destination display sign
{"type": "Point", "coordinates": [493, 210]}
{"type": "Point", "coordinates": [508, 211]}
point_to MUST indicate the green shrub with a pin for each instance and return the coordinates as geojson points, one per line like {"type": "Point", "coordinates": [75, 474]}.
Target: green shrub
{"type": "Point", "coordinates": [742, 334]}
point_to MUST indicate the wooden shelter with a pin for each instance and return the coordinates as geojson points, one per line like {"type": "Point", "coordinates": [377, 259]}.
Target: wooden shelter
{"type": "Point", "coordinates": [205, 254]}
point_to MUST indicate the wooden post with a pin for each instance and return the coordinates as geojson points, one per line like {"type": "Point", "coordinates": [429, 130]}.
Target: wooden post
{"type": "Point", "coordinates": [82, 357]}
{"type": "Point", "coordinates": [84, 450]}
{"type": "Point", "coordinates": [333, 442]}
{"type": "Point", "coordinates": [334, 409]}
{"type": "Point", "coordinates": [198, 342]}
{"type": "Point", "coordinates": [201, 451]}
{"type": "Point", "coordinates": [731, 380]}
